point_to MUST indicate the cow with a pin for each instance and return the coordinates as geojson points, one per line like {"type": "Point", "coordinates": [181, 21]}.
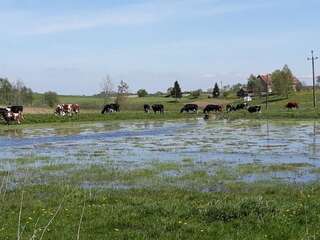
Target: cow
{"type": "Point", "coordinates": [59, 110]}
{"type": "Point", "coordinates": [157, 108]}
{"type": "Point", "coordinates": [292, 105]}
{"type": "Point", "coordinates": [241, 106]}
{"type": "Point", "coordinates": [212, 108]}
{"type": "Point", "coordinates": [7, 115]}
{"type": "Point", "coordinates": [253, 109]}
{"type": "Point", "coordinates": [230, 108]}
{"type": "Point", "coordinates": [67, 109]}
{"type": "Point", "coordinates": [113, 107]}
{"type": "Point", "coordinates": [75, 108]}
{"type": "Point", "coordinates": [146, 108]}
{"type": "Point", "coordinates": [16, 109]}
{"type": "Point", "coordinates": [189, 108]}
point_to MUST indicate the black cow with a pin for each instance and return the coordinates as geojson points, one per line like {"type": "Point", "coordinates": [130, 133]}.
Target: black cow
{"type": "Point", "coordinates": [253, 109]}
{"type": "Point", "coordinates": [146, 108]}
{"type": "Point", "coordinates": [189, 108]}
{"type": "Point", "coordinates": [158, 108]}
{"type": "Point", "coordinates": [16, 109]}
{"type": "Point", "coordinates": [113, 107]}
{"type": "Point", "coordinates": [212, 108]}
{"type": "Point", "coordinates": [292, 105]}
{"type": "Point", "coordinates": [230, 108]}
{"type": "Point", "coordinates": [241, 106]}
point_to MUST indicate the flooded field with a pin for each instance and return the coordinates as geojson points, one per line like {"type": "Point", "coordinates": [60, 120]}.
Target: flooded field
{"type": "Point", "coordinates": [189, 154]}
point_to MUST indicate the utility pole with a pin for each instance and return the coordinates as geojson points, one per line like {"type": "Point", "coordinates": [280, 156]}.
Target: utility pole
{"type": "Point", "coordinates": [312, 59]}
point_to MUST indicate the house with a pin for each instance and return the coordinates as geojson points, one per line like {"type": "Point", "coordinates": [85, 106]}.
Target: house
{"type": "Point", "coordinates": [266, 81]}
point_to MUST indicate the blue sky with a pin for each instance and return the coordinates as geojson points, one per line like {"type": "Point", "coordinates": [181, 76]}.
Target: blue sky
{"type": "Point", "coordinates": [70, 45]}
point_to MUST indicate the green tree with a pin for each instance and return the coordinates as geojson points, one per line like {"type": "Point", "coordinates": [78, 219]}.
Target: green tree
{"type": "Point", "coordinates": [176, 91]}
{"type": "Point", "coordinates": [216, 91]}
{"type": "Point", "coordinates": [254, 85]}
{"type": "Point", "coordinates": [50, 98]}
{"type": "Point", "coordinates": [282, 81]}
{"type": "Point", "coordinates": [142, 93]}
{"type": "Point", "coordinates": [6, 91]}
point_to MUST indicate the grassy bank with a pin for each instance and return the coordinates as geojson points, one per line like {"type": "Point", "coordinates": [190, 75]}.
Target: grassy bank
{"type": "Point", "coordinates": [257, 211]}
{"type": "Point", "coordinates": [133, 109]}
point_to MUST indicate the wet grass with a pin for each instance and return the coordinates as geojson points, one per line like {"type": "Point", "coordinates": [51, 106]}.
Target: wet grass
{"type": "Point", "coordinates": [244, 169]}
{"type": "Point", "coordinates": [256, 211]}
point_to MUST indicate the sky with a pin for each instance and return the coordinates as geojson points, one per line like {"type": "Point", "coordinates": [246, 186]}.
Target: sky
{"type": "Point", "coordinates": [70, 46]}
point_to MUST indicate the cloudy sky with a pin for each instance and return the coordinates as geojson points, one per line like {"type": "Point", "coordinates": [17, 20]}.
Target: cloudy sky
{"type": "Point", "coordinates": [70, 45]}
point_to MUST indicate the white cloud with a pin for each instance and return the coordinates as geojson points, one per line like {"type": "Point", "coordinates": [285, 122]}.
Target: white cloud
{"type": "Point", "coordinates": [26, 22]}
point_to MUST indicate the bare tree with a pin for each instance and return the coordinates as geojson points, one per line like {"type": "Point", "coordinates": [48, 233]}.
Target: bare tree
{"type": "Point", "coordinates": [107, 87]}
{"type": "Point", "coordinates": [123, 90]}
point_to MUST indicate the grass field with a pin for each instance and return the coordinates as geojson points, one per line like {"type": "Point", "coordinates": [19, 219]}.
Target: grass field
{"type": "Point", "coordinates": [133, 108]}
{"type": "Point", "coordinates": [255, 211]}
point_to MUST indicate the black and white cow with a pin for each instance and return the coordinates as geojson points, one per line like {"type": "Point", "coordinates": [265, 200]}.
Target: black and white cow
{"type": "Point", "coordinates": [146, 108]}
{"type": "Point", "coordinates": [189, 108]}
{"type": "Point", "coordinates": [158, 108]}
{"type": "Point", "coordinates": [12, 114]}
{"type": "Point", "coordinates": [113, 107]}
{"type": "Point", "coordinates": [254, 109]}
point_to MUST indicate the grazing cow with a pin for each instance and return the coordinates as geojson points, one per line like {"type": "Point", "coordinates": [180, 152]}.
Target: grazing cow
{"type": "Point", "coordinates": [189, 108]}
{"type": "Point", "coordinates": [16, 109]}
{"type": "Point", "coordinates": [241, 106]}
{"type": "Point", "coordinates": [146, 108]}
{"type": "Point", "coordinates": [75, 108]}
{"type": "Point", "coordinates": [292, 105]}
{"type": "Point", "coordinates": [158, 108]}
{"type": "Point", "coordinates": [230, 108]}
{"type": "Point", "coordinates": [7, 115]}
{"type": "Point", "coordinates": [113, 107]}
{"type": "Point", "coordinates": [67, 109]}
{"type": "Point", "coordinates": [253, 109]}
{"type": "Point", "coordinates": [59, 110]}
{"type": "Point", "coordinates": [212, 108]}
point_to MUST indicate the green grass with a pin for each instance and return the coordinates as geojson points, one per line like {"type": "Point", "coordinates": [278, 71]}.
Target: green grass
{"type": "Point", "coordinates": [244, 169]}
{"type": "Point", "coordinates": [243, 212]}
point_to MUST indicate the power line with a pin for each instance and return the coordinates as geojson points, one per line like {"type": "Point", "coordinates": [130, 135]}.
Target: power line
{"type": "Point", "coordinates": [312, 59]}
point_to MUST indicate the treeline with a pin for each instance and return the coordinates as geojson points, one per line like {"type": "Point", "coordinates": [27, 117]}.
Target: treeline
{"type": "Point", "coordinates": [15, 93]}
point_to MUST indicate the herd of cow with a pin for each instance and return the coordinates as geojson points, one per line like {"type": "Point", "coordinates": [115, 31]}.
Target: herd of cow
{"type": "Point", "coordinates": [15, 113]}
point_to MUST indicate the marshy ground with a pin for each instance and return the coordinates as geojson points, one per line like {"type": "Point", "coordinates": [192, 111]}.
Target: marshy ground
{"type": "Point", "coordinates": [243, 179]}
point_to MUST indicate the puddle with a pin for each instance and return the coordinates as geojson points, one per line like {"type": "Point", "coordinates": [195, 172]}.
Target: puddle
{"type": "Point", "coordinates": [134, 145]}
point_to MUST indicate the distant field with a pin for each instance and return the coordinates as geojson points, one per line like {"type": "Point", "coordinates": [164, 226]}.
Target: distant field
{"type": "Point", "coordinates": [133, 108]}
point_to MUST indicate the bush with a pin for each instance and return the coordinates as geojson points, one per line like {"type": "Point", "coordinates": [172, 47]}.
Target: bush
{"type": "Point", "coordinates": [142, 93]}
{"type": "Point", "coordinates": [50, 98]}
{"type": "Point", "coordinates": [196, 93]}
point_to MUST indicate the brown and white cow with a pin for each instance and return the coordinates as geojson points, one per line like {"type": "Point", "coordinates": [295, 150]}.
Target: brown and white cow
{"type": "Point", "coordinates": [67, 109]}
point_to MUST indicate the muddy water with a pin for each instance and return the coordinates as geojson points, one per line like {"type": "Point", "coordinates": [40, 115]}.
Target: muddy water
{"type": "Point", "coordinates": [131, 145]}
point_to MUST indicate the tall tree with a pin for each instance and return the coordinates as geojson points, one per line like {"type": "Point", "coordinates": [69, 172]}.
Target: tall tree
{"type": "Point", "coordinates": [216, 91]}
{"type": "Point", "coordinates": [254, 85]}
{"type": "Point", "coordinates": [282, 81]}
{"type": "Point", "coordinates": [6, 91]}
{"type": "Point", "coordinates": [176, 91]}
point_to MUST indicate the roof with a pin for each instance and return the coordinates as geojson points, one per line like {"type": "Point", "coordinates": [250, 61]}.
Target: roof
{"type": "Point", "coordinates": [266, 78]}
